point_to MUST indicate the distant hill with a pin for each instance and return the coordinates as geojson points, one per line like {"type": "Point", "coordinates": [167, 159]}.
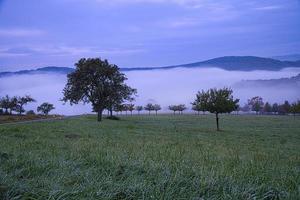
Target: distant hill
{"type": "Point", "coordinates": [290, 57]}
{"type": "Point", "coordinates": [293, 82]}
{"type": "Point", "coordinates": [238, 63]}
{"type": "Point", "coordinates": [60, 70]}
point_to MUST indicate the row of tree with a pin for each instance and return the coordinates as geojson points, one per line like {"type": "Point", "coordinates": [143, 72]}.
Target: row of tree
{"type": "Point", "coordinates": [9, 105]}
{"type": "Point", "coordinates": [257, 105]}
{"type": "Point", "coordinates": [102, 84]}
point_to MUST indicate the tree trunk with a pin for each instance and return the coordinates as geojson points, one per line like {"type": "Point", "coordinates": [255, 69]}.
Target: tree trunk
{"type": "Point", "coordinates": [100, 115]}
{"type": "Point", "coordinates": [156, 112]}
{"type": "Point", "coordinates": [111, 112]}
{"type": "Point", "coordinates": [217, 120]}
{"type": "Point", "coordinates": [149, 112]}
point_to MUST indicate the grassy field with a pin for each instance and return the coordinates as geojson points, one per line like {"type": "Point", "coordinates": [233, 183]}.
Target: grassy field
{"type": "Point", "coordinates": [152, 157]}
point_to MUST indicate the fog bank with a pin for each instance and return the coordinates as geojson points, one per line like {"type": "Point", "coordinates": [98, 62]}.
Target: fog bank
{"type": "Point", "coordinates": [164, 87]}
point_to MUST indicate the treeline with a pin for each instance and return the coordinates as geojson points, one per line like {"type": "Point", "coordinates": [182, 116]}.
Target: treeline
{"type": "Point", "coordinates": [15, 105]}
{"type": "Point", "coordinates": [257, 105]}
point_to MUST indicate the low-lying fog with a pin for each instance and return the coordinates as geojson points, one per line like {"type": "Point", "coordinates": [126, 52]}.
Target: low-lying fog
{"type": "Point", "coordinates": [164, 87]}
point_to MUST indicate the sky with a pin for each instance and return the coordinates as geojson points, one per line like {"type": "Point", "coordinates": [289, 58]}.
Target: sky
{"type": "Point", "coordinates": [143, 33]}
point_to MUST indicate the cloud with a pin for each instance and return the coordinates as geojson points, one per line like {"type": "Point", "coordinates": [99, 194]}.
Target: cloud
{"type": "Point", "coordinates": [186, 3]}
{"type": "Point", "coordinates": [64, 50]}
{"type": "Point", "coordinates": [265, 8]}
{"type": "Point", "coordinates": [21, 32]}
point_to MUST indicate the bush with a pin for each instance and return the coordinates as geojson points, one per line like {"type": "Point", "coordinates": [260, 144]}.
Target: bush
{"type": "Point", "coordinates": [113, 118]}
{"type": "Point", "coordinates": [30, 112]}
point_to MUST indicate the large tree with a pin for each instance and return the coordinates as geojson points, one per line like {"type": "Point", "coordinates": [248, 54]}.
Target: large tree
{"type": "Point", "coordinates": [218, 101]}
{"type": "Point", "coordinates": [45, 108]}
{"type": "Point", "coordinates": [97, 82]}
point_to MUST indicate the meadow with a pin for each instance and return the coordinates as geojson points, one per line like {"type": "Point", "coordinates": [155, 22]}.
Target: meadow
{"type": "Point", "coordinates": [152, 157]}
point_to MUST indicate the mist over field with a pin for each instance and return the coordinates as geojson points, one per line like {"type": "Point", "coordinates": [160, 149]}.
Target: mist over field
{"type": "Point", "coordinates": [164, 87]}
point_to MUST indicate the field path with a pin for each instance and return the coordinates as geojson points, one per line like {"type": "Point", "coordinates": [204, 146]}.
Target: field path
{"type": "Point", "coordinates": [40, 120]}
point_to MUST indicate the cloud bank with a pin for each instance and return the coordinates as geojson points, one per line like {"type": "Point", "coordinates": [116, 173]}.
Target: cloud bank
{"type": "Point", "coordinates": [164, 87]}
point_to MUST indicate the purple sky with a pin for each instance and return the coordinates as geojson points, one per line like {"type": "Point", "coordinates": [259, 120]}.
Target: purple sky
{"type": "Point", "coordinates": [141, 33]}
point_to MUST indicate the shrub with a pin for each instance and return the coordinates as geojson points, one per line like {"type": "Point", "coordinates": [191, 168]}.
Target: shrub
{"type": "Point", "coordinates": [30, 112]}
{"type": "Point", "coordinates": [113, 118]}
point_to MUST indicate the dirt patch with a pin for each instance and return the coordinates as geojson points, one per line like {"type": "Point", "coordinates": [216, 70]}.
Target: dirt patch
{"type": "Point", "coordinates": [72, 136]}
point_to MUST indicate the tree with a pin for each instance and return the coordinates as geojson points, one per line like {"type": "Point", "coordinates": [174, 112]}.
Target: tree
{"type": "Point", "coordinates": [45, 108]}
{"type": "Point", "coordinates": [149, 107]}
{"type": "Point", "coordinates": [201, 101]}
{"type": "Point", "coordinates": [173, 108]}
{"type": "Point", "coordinates": [275, 108]}
{"type": "Point", "coordinates": [97, 82]}
{"type": "Point", "coordinates": [5, 103]}
{"type": "Point", "coordinates": [218, 101]}
{"type": "Point", "coordinates": [267, 108]}
{"type": "Point", "coordinates": [119, 108]}
{"type": "Point", "coordinates": [130, 108]}
{"type": "Point", "coordinates": [13, 104]}
{"type": "Point", "coordinates": [181, 108]}
{"type": "Point", "coordinates": [21, 101]}
{"type": "Point", "coordinates": [196, 108]}
{"type": "Point", "coordinates": [245, 108]}
{"type": "Point", "coordinates": [286, 107]}
{"type": "Point", "coordinates": [256, 104]}
{"type": "Point", "coordinates": [156, 107]}
{"type": "Point", "coordinates": [139, 109]}
{"type": "Point", "coordinates": [295, 108]}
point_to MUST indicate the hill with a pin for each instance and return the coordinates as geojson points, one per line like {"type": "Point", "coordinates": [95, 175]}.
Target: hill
{"type": "Point", "coordinates": [289, 57]}
{"type": "Point", "coordinates": [232, 63]}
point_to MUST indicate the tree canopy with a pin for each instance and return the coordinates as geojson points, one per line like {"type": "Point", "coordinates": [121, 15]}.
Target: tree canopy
{"type": "Point", "coordinates": [45, 108]}
{"type": "Point", "coordinates": [217, 101]}
{"type": "Point", "coordinates": [97, 82]}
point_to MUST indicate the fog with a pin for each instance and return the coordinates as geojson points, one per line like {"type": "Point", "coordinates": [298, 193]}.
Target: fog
{"type": "Point", "coordinates": [164, 87]}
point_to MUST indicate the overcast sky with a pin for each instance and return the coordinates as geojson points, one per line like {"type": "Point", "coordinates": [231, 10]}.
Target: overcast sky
{"type": "Point", "coordinates": [141, 33]}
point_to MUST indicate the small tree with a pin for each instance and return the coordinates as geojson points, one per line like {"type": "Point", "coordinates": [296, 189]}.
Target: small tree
{"type": "Point", "coordinates": [5, 103]}
{"type": "Point", "coordinates": [181, 108]}
{"type": "Point", "coordinates": [130, 108]}
{"type": "Point", "coordinates": [295, 108]}
{"type": "Point", "coordinates": [21, 101]}
{"type": "Point", "coordinates": [275, 108]}
{"type": "Point", "coordinates": [139, 109]}
{"type": "Point", "coordinates": [201, 101]}
{"type": "Point", "coordinates": [156, 107]}
{"type": "Point", "coordinates": [45, 108]}
{"type": "Point", "coordinates": [256, 104]}
{"type": "Point", "coordinates": [245, 108]}
{"type": "Point", "coordinates": [218, 101]}
{"type": "Point", "coordinates": [149, 107]}
{"type": "Point", "coordinates": [196, 108]}
{"type": "Point", "coordinates": [267, 108]}
{"type": "Point", "coordinates": [173, 108]}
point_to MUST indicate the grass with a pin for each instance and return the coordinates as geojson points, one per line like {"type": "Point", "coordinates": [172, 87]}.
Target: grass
{"type": "Point", "coordinates": [152, 157]}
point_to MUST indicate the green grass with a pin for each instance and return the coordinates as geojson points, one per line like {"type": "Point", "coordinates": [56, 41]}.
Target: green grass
{"type": "Point", "coordinates": [152, 157]}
